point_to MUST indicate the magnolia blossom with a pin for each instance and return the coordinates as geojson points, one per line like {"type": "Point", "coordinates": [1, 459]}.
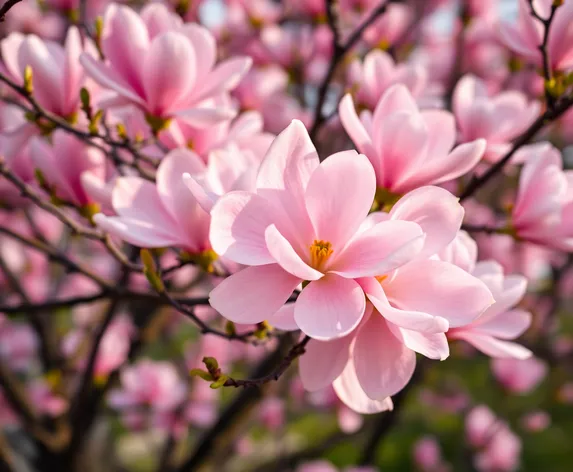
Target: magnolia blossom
{"type": "Point", "coordinates": [498, 119]}
{"type": "Point", "coordinates": [499, 447]}
{"type": "Point", "coordinates": [519, 376]}
{"type": "Point", "coordinates": [302, 226]}
{"type": "Point", "coordinates": [162, 214]}
{"type": "Point", "coordinates": [543, 210]}
{"type": "Point", "coordinates": [407, 147]}
{"type": "Point", "coordinates": [57, 76]}
{"type": "Point", "coordinates": [428, 456]}
{"type": "Point", "coordinates": [525, 37]}
{"type": "Point", "coordinates": [152, 384]}
{"type": "Point", "coordinates": [163, 66]}
{"type": "Point", "coordinates": [493, 331]}
{"type": "Point", "coordinates": [63, 163]}
{"type": "Point", "coordinates": [369, 79]}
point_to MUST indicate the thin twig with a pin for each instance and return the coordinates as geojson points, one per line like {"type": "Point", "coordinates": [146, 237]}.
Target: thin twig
{"type": "Point", "coordinates": [339, 51]}
{"type": "Point", "coordinates": [296, 351]}
{"type": "Point", "coordinates": [543, 48]}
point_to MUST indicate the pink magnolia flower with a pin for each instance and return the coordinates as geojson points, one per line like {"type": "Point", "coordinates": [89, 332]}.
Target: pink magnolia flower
{"type": "Point", "coordinates": [492, 331]}
{"type": "Point", "coordinates": [162, 214]}
{"type": "Point", "coordinates": [29, 18]}
{"type": "Point", "coordinates": [45, 400]}
{"type": "Point", "coordinates": [245, 132]}
{"type": "Point", "coordinates": [113, 349]}
{"type": "Point", "coordinates": [407, 147]}
{"type": "Point", "coordinates": [228, 169]}
{"type": "Point", "coordinates": [519, 375]}
{"type": "Point", "coordinates": [543, 210]}
{"type": "Point", "coordinates": [525, 37]}
{"type": "Point", "coordinates": [163, 66]}
{"type": "Point", "coordinates": [369, 79]}
{"type": "Point", "coordinates": [498, 119]}
{"type": "Point", "coordinates": [300, 225]}
{"type": "Point", "coordinates": [57, 75]}
{"type": "Point", "coordinates": [499, 448]}
{"type": "Point", "coordinates": [428, 456]}
{"type": "Point", "coordinates": [18, 344]}
{"type": "Point", "coordinates": [536, 421]}
{"type": "Point", "coordinates": [152, 384]}
{"type": "Point", "coordinates": [63, 163]}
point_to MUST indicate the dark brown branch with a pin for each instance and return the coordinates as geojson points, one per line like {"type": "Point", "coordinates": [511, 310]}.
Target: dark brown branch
{"type": "Point", "coordinates": [549, 116]}
{"type": "Point", "coordinates": [543, 48]}
{"type": "Point", "coordinates": [296, 351]}
{"type": "Point", "coordinates": [482, 229]}
{"type": "Point", "coordinates": [6, 7]}
{"type": "Point", "coordinates": [339, 51]}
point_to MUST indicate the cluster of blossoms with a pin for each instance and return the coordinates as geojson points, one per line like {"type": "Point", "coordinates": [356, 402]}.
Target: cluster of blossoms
{"type": "Point", "coordinates": [183, 187]}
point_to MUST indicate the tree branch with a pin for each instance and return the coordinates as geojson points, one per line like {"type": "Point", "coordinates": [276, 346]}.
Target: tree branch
{"type": "Point", "coordinates": [549, 116]}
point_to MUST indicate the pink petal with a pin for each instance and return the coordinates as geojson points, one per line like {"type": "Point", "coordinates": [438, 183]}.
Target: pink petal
{"type": "Point", "coordinates": [508, 325]}
{"type": "Point", "coordinates": [495, 347]}
{"type": "Point", "coordinates": [441, 289]}
{"type": "Point", "coordinates": [226, 76]}
{"type": "Point", "coordinates": [168, 72]}
{"type": "Point", "coordinates": [350, 392]}
{"type": "Point", "coordinates": [330, 307]}
{"type": "Point", "coordinates": [380, 249]}
{"type": "Point", "coordinates": [383, 364]}
{"type": "Point", "coordinates": [323, 362]}
{"type": "Point", "coordinates": [254, 294]}
{"type": "Point", "coordinates": [173, 192]}
{"type": "Point", "coordinates": [286, 256]}
{"type": "Point", "coordinates": [355, 128]}
{"type": "Point", "coordinates": [431, 345]}
{"type": "Point", "coordinates": [137, 232]}
{"type": "Point", "coordinates": [436, 210]}
{"type": "Point", "coordinates": [412, 320]}
{"type": "Point", "coordinates": [339, 196]}
{"type": "Point", "coordinates": [202, 194]}
{"type": "Point", "coordinates": [108, 78]}
{"type": "Point", "coordinates": [238, 224]}
{"type": "Point", "coordinates": [284, 318]}
{"type": "Point", "coordinates": [204, 46]}
{"type": "Point", "coordinates": [125, 43]}
{"type": "Point", "coordinates": [283, 177]}
{"type": "Point", "coordinates": [396, 99]}
{"type": "Point", "coordinates": [205, 117]}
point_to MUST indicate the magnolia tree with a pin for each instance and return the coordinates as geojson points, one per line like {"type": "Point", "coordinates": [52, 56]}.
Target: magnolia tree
{"type": "Point", "coordinates": [239, 235]}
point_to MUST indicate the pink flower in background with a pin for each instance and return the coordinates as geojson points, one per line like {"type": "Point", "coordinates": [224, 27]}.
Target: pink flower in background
{"type": "Point", "coordinates": [245, 132]}
{"type": "Point", "coordinates": [498, 447]}
{"type": "Point", "coordinates": [63, 163]}
{"type": "Point", "coordinates": [57, 76]}
{"type": "Point", "coordinates": [18, 344]}
{"type": "Point", "coordinates": [428, 456]}
{"type": "Point", "coordinates": [407, 147]}
{"type": "Point", "coordinates": [162, 214]}
{"type": "Point", "coordinates": [498, 119]}
{"type": "Point", "coordinates": [493, 331]}
{"type": "Point", "coordinates": [163, 66]}
{"type": "Point", "coordinates": [525, 36]}
{"type": "Point", "coordinates": [519, 376]}
{"type": "Point", "coordinates": [152, 384]}
{"type": "Point", "coordinates": [370, 78]}
{"type": "Point", "coordinates": [543, 210]}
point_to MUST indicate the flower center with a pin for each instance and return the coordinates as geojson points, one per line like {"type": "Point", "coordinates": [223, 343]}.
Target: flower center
{"type": "Point", "coordinates": [381, 278]}
{"type": "Point", "coordinates": [320, 251]}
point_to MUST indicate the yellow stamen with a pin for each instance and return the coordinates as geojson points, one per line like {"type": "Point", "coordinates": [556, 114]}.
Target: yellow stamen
{"type": "Point", "coordinates": [320, 251]}
{"type": "Point", "coordinates": [381, 278]}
